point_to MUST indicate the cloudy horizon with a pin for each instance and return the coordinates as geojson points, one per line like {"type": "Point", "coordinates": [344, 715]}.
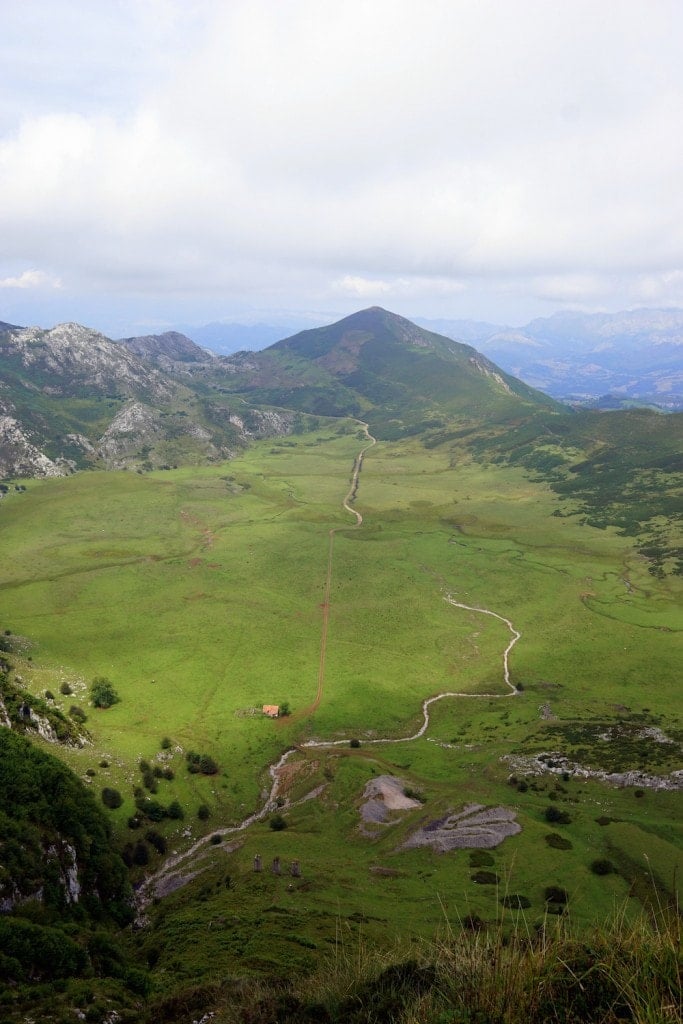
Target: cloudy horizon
{"type": "Point", "coordinates": [165, 163]}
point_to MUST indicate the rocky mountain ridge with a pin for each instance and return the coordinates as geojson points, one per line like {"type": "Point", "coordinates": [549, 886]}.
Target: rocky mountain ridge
{"type": "Point", "coordinates": [70, 398]}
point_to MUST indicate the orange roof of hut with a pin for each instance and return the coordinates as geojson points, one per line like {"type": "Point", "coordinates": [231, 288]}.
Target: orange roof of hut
{"type": "Point", "coordinates": [272, 710]}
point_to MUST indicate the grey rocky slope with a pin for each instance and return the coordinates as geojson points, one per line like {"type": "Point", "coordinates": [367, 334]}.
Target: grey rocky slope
{"type": "Point", "coordinates": [71, 398]}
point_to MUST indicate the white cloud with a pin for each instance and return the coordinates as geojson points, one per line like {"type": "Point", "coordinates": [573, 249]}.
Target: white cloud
{"type": "Point", "coordinates": [360, 287]}
{"type": "Point", "coordinates": [311, 151]}
{"type": "Point", "coordinates": [31, 279]}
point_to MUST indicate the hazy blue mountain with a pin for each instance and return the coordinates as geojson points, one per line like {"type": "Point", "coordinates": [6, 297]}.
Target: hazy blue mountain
{"type": "Point", "coordinates": [226, 338]}
{"type": "Point", "coordinates": [632, 355]}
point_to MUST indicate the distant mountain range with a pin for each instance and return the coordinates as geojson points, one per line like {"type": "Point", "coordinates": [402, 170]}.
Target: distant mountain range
{"type": "Point", "coordinates": [606, 360]}
{"type": "Point", "coordinates": [71, 398]}
{"type": "Point", "coordinates": [634, 356]}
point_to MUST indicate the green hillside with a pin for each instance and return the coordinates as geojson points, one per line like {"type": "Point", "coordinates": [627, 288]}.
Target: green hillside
{"type": "Point", "coordinates": [380, 366]}
{"type": "Point", "coordinates": [509, 561]}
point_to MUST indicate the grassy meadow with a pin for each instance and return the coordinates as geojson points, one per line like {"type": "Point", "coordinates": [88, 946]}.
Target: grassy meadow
{"type": "Point", "coordinates": [199, 593]}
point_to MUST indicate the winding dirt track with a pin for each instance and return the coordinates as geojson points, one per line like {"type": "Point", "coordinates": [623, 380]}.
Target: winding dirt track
{"type": "Point", "coordinates": [148, 888]}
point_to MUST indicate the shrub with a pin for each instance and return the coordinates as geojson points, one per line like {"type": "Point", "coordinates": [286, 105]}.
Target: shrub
{"type": "Point", "coordinates": [516, 902]}
{"type": "Point", "coordinates": [134, 822]}
{"type": "Point", "coordinates": [481, 859]}
{"type": "Point", "coordinates": [555, 816]}
{"type": "Point", "coordinates": [78, 714]}
{"type": "Point", "coordinates": [200, 763]}
{"type": "Point", "coordinates": [151, 809]}
{"type": "Point", "coordinates": [354, 743]}
{"type": "Point", "coordinates": [156, 840]}
{"type": "Point", "coordinates": [216, 839]}
{"type": "Point", "coordinates": [168, 773]}
{"type": "Point", "coordinates": [111, 798]}
{"type": "Point", "coordinates": [166, 743]}
{"type": "Point", "coordinates": [207, 765]}
{"type": "Point", "coordinates": [49, 695]}
{"type": "Point", "coordinates": [555, 894]}
{"type": "Point", "coordinates": [102, 693]}
{"type": "Point", "coordinates": [104, 763]}
{"type": "Point", "coordinates": [485, 878]}
{"type": "Point", "coordinates": [65, 689]}
{"type": "Point", "coordinates": [277, 823]}
{"type": "Point", "coordinates": [157, 772]}
{"type": "Point", "coordinates": [175, 811]}
{"type": "Point", "coordinates": [602, 866]}
{"type": "Point", "coordinates": [203, 812]}
{"type": "Point", "coordinates": [143, 765]}
{"type": "Point", "coordinates": [558, 842]}
{"type": "Point", "coordinates": [141, 853]}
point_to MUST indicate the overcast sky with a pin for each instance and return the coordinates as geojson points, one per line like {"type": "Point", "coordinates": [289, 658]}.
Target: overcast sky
{"type": "Point", "coordinates": [169, 162]}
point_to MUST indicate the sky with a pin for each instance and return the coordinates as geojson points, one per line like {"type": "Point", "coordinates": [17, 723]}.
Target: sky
{"type": "Point", "coordinates": [166, 163]}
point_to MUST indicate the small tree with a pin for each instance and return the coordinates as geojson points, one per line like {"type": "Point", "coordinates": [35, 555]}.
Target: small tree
{"type": "Point", "coordinates": [102, 693]}
{"type": "Point", "coordinates": [602, 866]}
{"type": "Point", "coordinates": [555, 816]}
{"type": "Point", "coordinates": [111, 798]}
{"type": "Point", "coordinates": [278, 823]}
{"type": "Point", "coordinates": [174, 810]}
{"type": "Point", "coordinates": [207, 765]}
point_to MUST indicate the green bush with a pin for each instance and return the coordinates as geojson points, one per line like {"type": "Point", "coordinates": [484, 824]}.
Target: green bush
{"type": "Point", "coordinates": [556, 817]}
{"type": "Point", "coordinates": [151, 809]}
{"type": "Point", "coordinates": [156, 840]}
{"type": "Point", "coordinates": [602, 866]}
{"type": "Point", "coordinates": [277, 823]}
{"type": "Point", "coordinates": [111, 798]}
{"type": "Point", "coordinates": [207, 765]}
{"type": "Point", "coordinates": [485, 878]}
{"type": "Point", "coordinates": [481, 859]}
{"type": "Point", "coordinates": [555, 894]}
{"type": "Point", "coordinates": [175, 811]}
{"type": "Point", "coordinates": [558, 842]}
{"type": "Point", "coordinates": [141, 853]}
{"type": "Point", "coordinates": [65, 689]}
{"type": "Point", "coordinates": [102, 693]}
{"type": "Point", "coordinates": [516, 902]}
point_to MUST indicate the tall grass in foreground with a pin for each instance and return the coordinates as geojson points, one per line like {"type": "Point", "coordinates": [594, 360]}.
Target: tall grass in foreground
{"type": "Point", "coordinates": [621, 971]}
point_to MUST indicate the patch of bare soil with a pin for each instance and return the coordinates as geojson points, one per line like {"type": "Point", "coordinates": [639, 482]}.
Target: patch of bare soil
{"type": "Point", "coordinates": [288, 775]}
{"type": "Point", "coordinates": [475, 827]}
